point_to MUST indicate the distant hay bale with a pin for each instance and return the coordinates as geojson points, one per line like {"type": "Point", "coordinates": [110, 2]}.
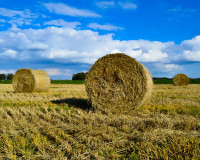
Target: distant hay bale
{"type": "Point", "coordinates": [118, 80]}
{"type": "Point", "coordinates": [30, 80]}
{"type": "Point", "coordinates": [181, 80]}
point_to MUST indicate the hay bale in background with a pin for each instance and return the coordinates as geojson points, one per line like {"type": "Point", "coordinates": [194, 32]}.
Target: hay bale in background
{"type": "Point", "coordinates": [30, 80]}
{"type": "Point", "coordinates": [118, 80]}
{"type": "Point", "coordinates": [181, 80]}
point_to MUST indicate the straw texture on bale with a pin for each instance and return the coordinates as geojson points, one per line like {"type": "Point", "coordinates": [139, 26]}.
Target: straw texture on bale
{"type": "Point", "coordinates": [181, 80]}
{"type": "Point", "coordinates": [30, 80]}
{"type": "Point", "coordinates": [118, 80]}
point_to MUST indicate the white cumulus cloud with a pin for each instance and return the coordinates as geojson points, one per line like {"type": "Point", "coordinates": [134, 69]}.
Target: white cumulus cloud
{"type": "Point", "coordinates": [191, 49]}
{"type": "Point", "coordinates": [69, 45]}
{"type": "Point", "coordinates": [153, 55]}
{"type": "Point", "coordinates": [81, 46]}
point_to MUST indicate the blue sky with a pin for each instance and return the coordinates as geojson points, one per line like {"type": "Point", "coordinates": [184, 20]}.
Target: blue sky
{"type": "Point", "coordinates": [64, 37]}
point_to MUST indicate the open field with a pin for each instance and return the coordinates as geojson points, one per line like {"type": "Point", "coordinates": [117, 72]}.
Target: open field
{"type": "Point", "coordinates": [61, 124]}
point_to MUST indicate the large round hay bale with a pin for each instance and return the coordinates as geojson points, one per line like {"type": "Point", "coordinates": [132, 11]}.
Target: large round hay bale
{"type": "Point", "coordinates": [30, 80]}
{"type": "Point", "coordinates": [118, 80]}
{"type": "Point", "coordinates": [181, 80]}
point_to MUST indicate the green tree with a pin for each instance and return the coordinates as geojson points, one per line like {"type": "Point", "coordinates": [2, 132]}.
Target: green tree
{"type": "Point", "coordinates": [79, 76]}
{"type": "Point", "coordinates": [2, 76]}
{"type": "Point", "coordinates": [10, 76]}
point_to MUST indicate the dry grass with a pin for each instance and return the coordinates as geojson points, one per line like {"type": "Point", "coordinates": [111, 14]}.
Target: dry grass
{"type": "Point", "coordinates": [61, 125]}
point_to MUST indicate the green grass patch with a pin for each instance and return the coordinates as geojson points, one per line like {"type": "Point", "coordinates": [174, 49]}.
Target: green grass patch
{"type": "Point", "coordinates": [67, 81]}
{"type": "Point", "coordinates": [162, 81]}
{"type": "Point", "coordinates": [5, 81]}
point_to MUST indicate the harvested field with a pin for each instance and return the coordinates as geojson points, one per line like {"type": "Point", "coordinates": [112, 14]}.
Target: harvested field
{"type": "Point", "coordinates": [60, 124]}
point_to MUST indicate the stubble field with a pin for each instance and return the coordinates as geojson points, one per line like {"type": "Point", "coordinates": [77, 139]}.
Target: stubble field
{"type": "Point", "coordinates": [61, 124]}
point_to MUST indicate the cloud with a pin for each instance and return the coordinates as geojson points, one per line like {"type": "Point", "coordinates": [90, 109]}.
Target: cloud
{"type": "Point", "coordinates": [192, 55]}
{"type": "Point", "coordinates": [58, 72]}
{"type": "Point", "coordinates": [18, 17]}
{"type": "Point", "coordinates": [168, 67]}
{"type": "Point", "coordinates": [153, 55]}
{"type": "Point", "coordinates": [191, 49]}
{"type": "Point", "coordinates": [14, 28]}
{"type": "Point", "coordinates": [105, 4]}
{"type": "Point", "coordinates": [63, 9]}
{"type": "Point", "coordinates": [127, 5]}
{"type": "Point", "coordinates": [14, 13]}
{"type": "Point", "coordinates": [9, 53]}
{"type": "Point", "coordinates": [68, 46]}
{"type": "Point", "coordinates": [65, 45]}
{"type": "Point", "coordinates": [62, 23]}
{"type": "Point", "coordinates": [148, 51]}
{"type": "Point", "coordinates": [20, 21]}
{"type": "Point", "coordinates": [121, 4]}
{"type": "Point", "coordinates": [192, 44]}
{"type": "Point", "coordinates": [107, 27]}
{"type": "Point", "coordinates": [11, 13]}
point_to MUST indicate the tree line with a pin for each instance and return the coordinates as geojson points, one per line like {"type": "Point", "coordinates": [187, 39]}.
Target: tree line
{"type": "Point", "coordinates": [6, 76]}
{"type": "Point", "coordinates": [77, 76]}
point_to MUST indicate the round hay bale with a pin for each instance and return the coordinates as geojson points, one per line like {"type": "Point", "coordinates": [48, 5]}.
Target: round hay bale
{"type": "Point", "coordinates": [118, 80]}
{"type": "Point", "coordinates": [30, 80]}
{"type": "Point", "coordinates": [181, 80]}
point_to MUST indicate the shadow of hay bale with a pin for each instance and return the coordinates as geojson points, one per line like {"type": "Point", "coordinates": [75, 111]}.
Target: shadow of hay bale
{"type": "Point", "coordinates": [78, 103]}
